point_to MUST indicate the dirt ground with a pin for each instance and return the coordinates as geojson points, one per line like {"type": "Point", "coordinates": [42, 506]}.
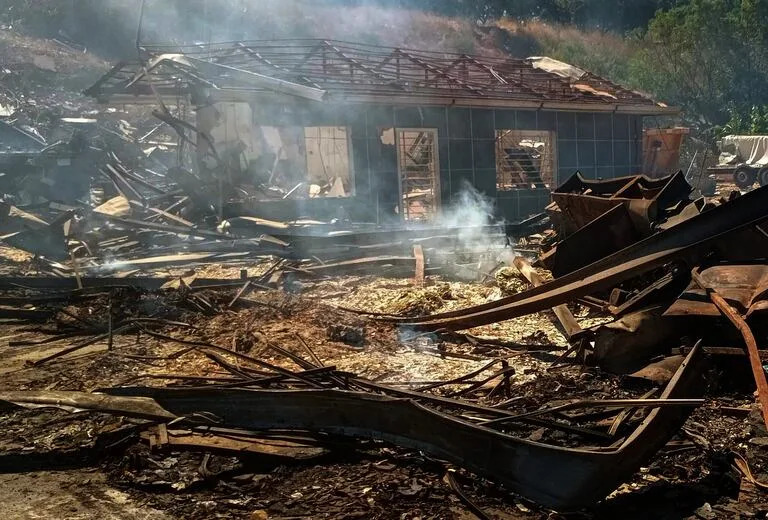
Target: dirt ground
{"type": "Point", "coordinates": [73, 494]}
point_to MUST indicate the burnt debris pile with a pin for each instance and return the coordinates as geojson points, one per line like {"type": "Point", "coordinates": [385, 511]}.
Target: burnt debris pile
{"type": "Point", "coordinates": [659, 302]}
{"type": "Point", "coordinates": [254, 301]}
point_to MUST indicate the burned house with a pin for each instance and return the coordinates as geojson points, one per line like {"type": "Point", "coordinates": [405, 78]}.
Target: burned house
{"type": "Point", "coordinates": [323, 128]}
{"type": "Point", "coordinates": [223, 351]}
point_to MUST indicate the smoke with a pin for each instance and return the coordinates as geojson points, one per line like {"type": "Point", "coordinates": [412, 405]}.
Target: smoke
{"type": "Point", "coordinates": [470, 211]}
{"type": "Point", "coordinates": [109, 27]}
{"type": "Point", "coordinates": [481, 240]}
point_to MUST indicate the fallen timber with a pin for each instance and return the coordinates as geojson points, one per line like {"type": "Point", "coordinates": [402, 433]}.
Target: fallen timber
{"type": "Point", "coordinates": [689, 242]}
{"type": "Point", "coordinates": [561, 478]}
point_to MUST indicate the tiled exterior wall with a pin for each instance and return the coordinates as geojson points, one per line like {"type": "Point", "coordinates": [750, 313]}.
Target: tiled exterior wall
{"type": "Point", "coordinates": [598, 145]}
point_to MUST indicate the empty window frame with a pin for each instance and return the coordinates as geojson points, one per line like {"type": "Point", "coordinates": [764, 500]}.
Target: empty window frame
{"type": "Point", "coordinates": [525, 159]}
{"type": "Point", "coordinates": [418, 172]}
{"type": "Point", "coordinates": [329, 163]}
{"type": "Point", "coordinates": [287, 162]}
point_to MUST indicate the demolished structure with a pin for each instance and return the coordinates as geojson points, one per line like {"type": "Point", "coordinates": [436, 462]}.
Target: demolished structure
{"type": "Point", "coordinates": [387, 133]}
{"type": "Point", "coordinates": [227, 288]}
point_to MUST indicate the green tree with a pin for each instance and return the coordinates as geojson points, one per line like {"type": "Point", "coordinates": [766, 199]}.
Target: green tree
{"type": "Point", "coordinates": [754, 122]}
{"type": "Point", "coordinates": [708, 56]}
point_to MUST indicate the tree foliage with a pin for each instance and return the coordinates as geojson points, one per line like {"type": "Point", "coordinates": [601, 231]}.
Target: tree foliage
{"type": "Point", "coordinates": [752, 122]}
{"type": "Point", "coordinates": [708, 56]}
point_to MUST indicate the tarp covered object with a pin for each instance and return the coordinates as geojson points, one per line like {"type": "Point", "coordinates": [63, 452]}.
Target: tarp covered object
{"type": "Point", "coordinates": [749, 149]}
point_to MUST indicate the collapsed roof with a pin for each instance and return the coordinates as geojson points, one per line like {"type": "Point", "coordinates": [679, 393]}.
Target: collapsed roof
{"type": "Point", "coordinates": [342, 72]}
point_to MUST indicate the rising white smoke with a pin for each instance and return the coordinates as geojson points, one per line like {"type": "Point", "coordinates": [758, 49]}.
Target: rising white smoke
{"type": "Point", "coordinates": [206, 21]}
{"type": "Point", "coordinates": [481, 241]}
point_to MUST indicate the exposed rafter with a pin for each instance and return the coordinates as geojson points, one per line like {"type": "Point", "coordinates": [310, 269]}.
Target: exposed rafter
{"type": "Point", "coordinates": [352, 73]}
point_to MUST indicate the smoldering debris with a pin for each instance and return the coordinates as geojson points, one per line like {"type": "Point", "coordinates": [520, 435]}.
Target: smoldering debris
{"type": "Point", "coordinates": [235, 342]}
{"type": "Point", "coordinates": [140, 212]}
{"type": "Point", "coordinates": [210, 339]}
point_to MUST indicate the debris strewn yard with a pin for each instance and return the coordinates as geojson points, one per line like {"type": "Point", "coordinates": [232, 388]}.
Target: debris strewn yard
{"type": "Point", "coordinates": [316, 279]}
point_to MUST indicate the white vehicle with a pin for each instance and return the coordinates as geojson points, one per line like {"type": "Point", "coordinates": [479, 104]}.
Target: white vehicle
{"type": "Point", "coordinates": [744, 158]}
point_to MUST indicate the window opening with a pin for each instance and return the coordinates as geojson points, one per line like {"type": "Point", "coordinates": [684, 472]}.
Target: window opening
{"type": "Point", "coordinates": [418, 173]}
{"type": "Point", "coordinates": [524, 159]}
